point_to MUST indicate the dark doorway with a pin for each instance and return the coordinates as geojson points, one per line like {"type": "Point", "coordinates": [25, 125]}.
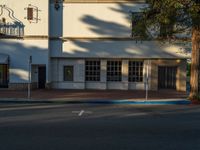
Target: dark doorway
{"type": "Point", "coordinates": [3, 76]}
{"type": "Point", "coordinates": [41, 77]}
{"type": "Point", "coordinates": [167, 77]}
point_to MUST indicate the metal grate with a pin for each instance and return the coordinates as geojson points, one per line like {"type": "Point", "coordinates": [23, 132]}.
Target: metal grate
{"type": "Point", "coordinates": [167, 77]}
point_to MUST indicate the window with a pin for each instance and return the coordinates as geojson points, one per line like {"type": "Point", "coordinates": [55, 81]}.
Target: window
{"type": "Point", "coordinates": [166, 30]}
{"type": "Point", "coordinates": [68, 73]}
{"type": "Point", "coordinates": [92, 70]}
{"type": "Point", "coordinates": [138, 27]}
{"type": "Point", "coordinates": [135, 71]}
{"type": "Point", "coordinates": [30, 13]}
{"type": "Point", "coordinates": [114, 70]}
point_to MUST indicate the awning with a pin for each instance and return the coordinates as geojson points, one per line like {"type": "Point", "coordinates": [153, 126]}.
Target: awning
{"type": "Point", "coordinates": [3, 58]}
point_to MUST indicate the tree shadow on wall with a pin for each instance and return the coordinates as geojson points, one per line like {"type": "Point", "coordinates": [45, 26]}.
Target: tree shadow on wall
{"type": "Point", "coordinates": [113, 28]}
{"type": "Point", "coordinates": [19, 54]}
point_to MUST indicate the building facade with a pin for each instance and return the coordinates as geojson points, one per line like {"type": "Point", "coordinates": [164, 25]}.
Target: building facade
{"type": "Point", "coordinates": [83, 44]}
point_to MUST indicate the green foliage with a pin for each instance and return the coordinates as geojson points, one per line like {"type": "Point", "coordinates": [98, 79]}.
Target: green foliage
{"type": "Point", "coordinates": [139, 27]}
{"type": "Point", "coordinates": [195, 97]}
{"type": "Point", "coordinates": [188, 69]}
{"type": "Point", "coordinates": [169, 16]}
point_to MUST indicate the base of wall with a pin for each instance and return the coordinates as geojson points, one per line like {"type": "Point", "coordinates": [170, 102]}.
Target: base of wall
{"type": "Point", "coordinates": [98, 85]}
{"type": "Point", "coordinates": [21, 86]}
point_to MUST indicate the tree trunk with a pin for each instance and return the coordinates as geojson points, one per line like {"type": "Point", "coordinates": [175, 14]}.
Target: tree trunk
{"type": "Point", "coordinates": [195, 67]}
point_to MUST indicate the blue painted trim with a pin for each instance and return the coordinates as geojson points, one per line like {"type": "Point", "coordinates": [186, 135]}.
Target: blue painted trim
{"type": "Point", "coordinates": [139, 102]}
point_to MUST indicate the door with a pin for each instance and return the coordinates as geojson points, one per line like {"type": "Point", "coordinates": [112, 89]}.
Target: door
{"type": "Point", "coordinates": [41, 77]}
{"type": "Point", "coordinates": [167, 77]}
{"type": "Point", "coordinates": [3, 76]}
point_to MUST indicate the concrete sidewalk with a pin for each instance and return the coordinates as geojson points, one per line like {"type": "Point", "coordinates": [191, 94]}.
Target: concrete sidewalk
{"type": "Point", "coordinates": [93, 96]}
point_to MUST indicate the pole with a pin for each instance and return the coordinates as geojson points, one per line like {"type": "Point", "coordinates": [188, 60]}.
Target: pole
{"type": "Point", "coordinates": [147, 79]}
{"type": "Point", "coordinates": [29, 77]}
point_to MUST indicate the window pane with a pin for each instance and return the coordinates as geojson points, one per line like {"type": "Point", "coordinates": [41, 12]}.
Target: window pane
{"type": "Point", "coordinates": [92, 71]}
{"type": "Point", "coordinates": [68, 73]}
{"type": "Point", "coordinates": [114, 70]}
{"type": "Point", "coordinates": [135, 71]}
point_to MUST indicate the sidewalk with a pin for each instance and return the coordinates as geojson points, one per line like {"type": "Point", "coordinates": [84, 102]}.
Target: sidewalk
{"type": "Point", "coordinates": [70, 95]}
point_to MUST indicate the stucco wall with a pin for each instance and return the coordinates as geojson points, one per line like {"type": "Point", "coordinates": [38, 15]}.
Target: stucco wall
{"type": "Point", "coordinates": [58, 74]}
{"type": "Point", "coordinates": [19, 52]}
{"type": "Point", "coordinates": [58, 82]}
{"type": "Point", "coordinates": [115, 49]}
{"type": "Point", "coordinates": [93, 19]}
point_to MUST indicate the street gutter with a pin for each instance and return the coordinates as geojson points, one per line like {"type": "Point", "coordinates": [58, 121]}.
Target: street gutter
{"type": "Point", "coordinates": [99, 101]}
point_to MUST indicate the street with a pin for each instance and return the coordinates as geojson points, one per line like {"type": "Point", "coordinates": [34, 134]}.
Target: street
{"type": "Point", "coordinates": [99, 127]}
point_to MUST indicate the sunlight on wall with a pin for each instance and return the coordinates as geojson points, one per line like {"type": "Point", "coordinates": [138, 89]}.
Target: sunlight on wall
{"type": "Point", "coordinates": [175, 50]}
{"type": "Point", "coordinates": [134, 51]}
{"type": "Point", "coordinates": [19, 73]}
{"type": "Point", "coordinates": [73, 49]}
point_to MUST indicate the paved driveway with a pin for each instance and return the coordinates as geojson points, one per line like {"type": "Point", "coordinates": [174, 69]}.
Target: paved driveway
{"type": "Point", "coordinates": [99, 127]}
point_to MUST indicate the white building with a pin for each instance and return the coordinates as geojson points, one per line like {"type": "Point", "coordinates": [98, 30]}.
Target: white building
{"type": "Point", "coordinates": [83, 44]}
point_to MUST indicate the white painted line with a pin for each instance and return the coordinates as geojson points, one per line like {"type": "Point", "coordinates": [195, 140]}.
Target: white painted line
{"type": "Point", "coordinates": [80, 113]}
{"type": "Point", "coordinates": [28, 107]}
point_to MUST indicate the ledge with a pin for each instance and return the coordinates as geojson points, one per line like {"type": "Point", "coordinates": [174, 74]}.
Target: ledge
{"type": "Point", "coordinates": [104, 1]}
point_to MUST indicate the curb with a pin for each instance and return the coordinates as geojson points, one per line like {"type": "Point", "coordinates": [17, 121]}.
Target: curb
{"type": "Point", "coordinates": [142, 102]}
{"type": "Point", "coordinates": [104, 101]}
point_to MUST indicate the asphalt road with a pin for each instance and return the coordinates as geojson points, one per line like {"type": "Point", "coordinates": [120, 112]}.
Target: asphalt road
{"type": "Point", "coordinates": [99, 127]}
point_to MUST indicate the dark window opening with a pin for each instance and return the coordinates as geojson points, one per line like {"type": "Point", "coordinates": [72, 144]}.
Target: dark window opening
{"type": "Point", "coordinates": [114, 70]}
{"type": "Point", "coordinates": [138, 27]}
{"type": "Point", "coordinates": [166, 30]}
{"type": "Point", "coordinates": [3, 76]}
{"type": "Point", "coordinates": [68, 73]}
{"type": "Point", "coordinates": [92, 70]}
{"type": "Point", "coordinates": [135, 71]}
{"type": "Point", "coordinates": [30, 13]}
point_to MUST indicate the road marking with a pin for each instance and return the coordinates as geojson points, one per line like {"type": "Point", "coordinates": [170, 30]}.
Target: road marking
{"type": "Point", "coordinates": [28, 107]}
{"type": "Point", "coordinates": [81, 112]}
